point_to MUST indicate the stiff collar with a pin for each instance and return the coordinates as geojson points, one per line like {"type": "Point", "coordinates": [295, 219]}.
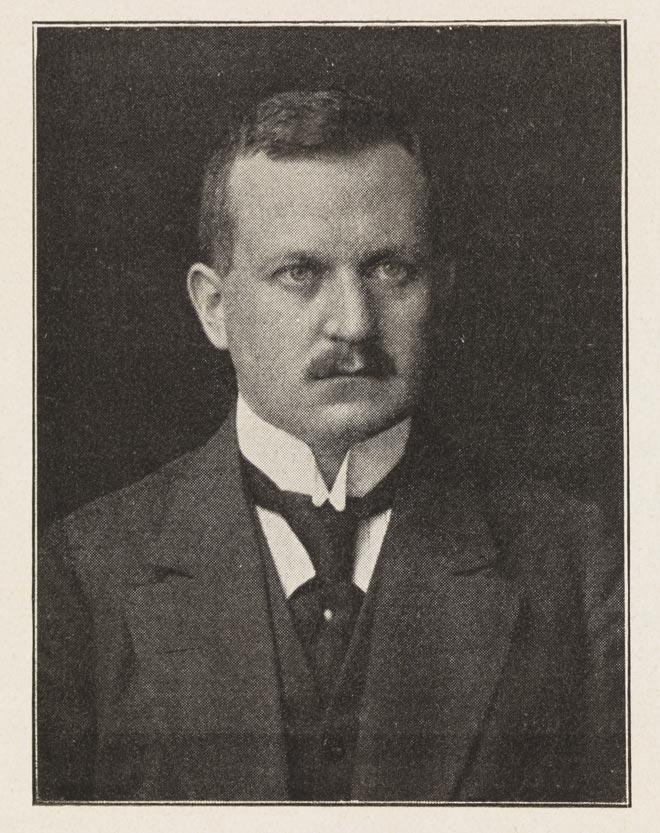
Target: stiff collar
{"type": "Point", "coordinates": [290, 464]}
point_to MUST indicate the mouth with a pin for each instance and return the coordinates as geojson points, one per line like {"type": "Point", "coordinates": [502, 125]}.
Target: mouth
{"type": "Point", "coordinates": [358, 373]}
{"type": "Point", "coordinates": [351, 367]}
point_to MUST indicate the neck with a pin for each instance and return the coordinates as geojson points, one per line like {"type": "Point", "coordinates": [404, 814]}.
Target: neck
{"type": "Point", "coordinates": [285, 456]}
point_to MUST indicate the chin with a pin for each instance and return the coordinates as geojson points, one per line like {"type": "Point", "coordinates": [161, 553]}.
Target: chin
{"type": "Point", "coordinates": [354, 422]}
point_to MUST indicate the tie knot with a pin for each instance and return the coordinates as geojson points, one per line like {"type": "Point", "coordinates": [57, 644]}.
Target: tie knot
{"type": "Point", "coordinates": [327, 534]}
{"type": "Point", "coordinates": [267, 494]}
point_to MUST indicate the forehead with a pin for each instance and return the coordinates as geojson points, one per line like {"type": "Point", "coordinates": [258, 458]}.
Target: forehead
{"type": "Point", "coordinates": [375, 196]}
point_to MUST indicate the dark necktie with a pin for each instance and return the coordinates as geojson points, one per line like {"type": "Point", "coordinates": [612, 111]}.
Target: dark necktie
{"type": "Point", "coordinates": [325, 609]}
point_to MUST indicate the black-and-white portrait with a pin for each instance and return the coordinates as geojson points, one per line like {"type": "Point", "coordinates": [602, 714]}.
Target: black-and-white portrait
{"type": "Point", "coordinates": [329, 404]}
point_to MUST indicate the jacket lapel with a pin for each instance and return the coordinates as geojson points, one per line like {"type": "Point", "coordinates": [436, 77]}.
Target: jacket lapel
{"type": "Point", "coordinates": [202, 607]}
{"type": "Point", "coordinates": [442, 628]}
{"type": "Point", "coordinates": [443, 618]}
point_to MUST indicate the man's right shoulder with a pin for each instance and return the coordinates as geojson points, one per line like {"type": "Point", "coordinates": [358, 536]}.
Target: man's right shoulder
{"type": "Point", "coordinates": [132, 517]}
{"type": "Point", "coordinates": [138, 503]}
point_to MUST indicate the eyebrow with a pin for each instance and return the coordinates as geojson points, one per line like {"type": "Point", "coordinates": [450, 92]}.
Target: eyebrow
{"type": "Point", "coordinates": [415, 253]}
{"type": "Point", "coordinates": [315, 258]}
{"type": "Point", "coordinates": [295, 256]}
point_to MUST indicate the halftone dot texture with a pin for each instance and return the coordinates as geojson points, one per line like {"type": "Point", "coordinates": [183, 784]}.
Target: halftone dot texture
{"type": "Point", "coordinates": [487, 662]}
{"type": "Point", "coordinates": [488, 665]}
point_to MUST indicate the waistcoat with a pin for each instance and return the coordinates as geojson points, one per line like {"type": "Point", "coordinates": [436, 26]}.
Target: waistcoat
{"type": "Point", "coordinates": [320, 742]}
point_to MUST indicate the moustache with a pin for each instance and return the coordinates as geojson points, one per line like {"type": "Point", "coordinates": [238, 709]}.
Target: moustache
{"type": "Point", "coordinates": [365, 360]}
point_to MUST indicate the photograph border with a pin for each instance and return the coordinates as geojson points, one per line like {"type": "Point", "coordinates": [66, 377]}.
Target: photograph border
{"type": "Point", "coordinates": [513, 22]}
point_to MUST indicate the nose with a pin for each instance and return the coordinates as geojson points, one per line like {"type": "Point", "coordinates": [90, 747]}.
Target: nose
{"type": "Point", "coordinates": [350, 315]}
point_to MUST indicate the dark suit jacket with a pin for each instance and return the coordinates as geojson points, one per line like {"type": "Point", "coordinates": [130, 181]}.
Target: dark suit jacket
{"type": "Point", "coordinates": [495, 669]}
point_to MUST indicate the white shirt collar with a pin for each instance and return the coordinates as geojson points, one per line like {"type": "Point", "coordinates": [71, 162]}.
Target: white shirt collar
{"type": "Point", "coordinates": [290, 464]}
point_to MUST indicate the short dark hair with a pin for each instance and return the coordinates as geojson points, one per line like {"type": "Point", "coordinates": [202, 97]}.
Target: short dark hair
{"type": "Point", "coordinates": [292, 124]}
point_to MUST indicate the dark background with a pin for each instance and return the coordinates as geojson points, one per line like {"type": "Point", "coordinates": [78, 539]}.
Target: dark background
{"type": "Point", "coordinates": [523, 122]}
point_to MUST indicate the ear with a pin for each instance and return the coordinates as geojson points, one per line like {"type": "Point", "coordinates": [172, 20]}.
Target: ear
{"type": "Point", "coordinates": [205, 291]}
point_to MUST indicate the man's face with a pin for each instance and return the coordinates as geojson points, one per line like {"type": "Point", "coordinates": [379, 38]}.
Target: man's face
{"type": "Point", "coordinates": [328, 299]}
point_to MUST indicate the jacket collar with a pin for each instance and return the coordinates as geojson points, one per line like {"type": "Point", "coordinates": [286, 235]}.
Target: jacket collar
{"type": "Point", "coordinates": [208, 595]}
{"type": "Point", "coordinates": [443, 622]}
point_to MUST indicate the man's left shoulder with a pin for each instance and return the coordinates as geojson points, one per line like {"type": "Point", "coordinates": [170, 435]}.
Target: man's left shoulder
{"type": "Point", "coordinates": [544, 529]}
{"type": "Point", "coordinates": [515, 496]}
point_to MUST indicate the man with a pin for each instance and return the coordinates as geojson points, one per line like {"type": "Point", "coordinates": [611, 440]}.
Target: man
{"type": "Point", "coordinates": [329, 601]}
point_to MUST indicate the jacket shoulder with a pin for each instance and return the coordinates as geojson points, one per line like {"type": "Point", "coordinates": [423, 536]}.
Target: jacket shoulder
{"type": "Point", "coordinates": [548, 531]}
{"type": "Point", "coordinates": [136, 512]}
{"type": "Point", "coordinates": [517, 496]}
{"type": "Point", "coordinates": [509, 490]}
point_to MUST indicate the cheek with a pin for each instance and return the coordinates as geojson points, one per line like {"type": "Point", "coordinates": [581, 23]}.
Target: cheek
{"type": "Point", "coordinates": [406, 323]}
{"type": "Point", "coordinates": [264, 334]}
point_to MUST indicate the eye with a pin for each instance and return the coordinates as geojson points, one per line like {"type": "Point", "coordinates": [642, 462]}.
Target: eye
{"type": "Point", "coordinates": [393, 272]}
{"type": "Point", "coordinates": [296, 274]}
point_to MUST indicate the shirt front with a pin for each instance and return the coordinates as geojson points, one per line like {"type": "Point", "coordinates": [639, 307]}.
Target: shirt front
{"type": "Point", "coordinates": [290, 464]}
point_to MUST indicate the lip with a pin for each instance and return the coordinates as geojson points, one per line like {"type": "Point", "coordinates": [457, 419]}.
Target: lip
{"type": "Point", "coordinates": [356, 375]}
{"type": "Point", "coordinates": [358, 371]}
{"type": "Point", "coordinates": [348, 372]}
{"type": "Point", "coordinates": [351, 367]}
